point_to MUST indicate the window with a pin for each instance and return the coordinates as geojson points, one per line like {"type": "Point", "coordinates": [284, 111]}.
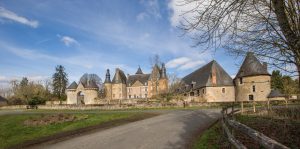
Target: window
{"type": "Point", "coordinates": [251, 97]}
{"type": "Point", "coordinates": [146, 89]}
{"type": "Point", "coordinates": [253, 88]}
{"type": "Point", "coordinates": [129, 96]}
{"type": "Point", "coordinates": [134, 96]}
{"type": "Point", "coordinates": [198, 92]}
{"type": "Point", "coordinates": [241, 80]}
{"type": "Point", "coordinates": [192, 94]}
{"type": "Point", "coordinates": [192, 85]}
{"type": "Point", "coordinates": [223, 90]}
{"type": "Point", "coordinates": [203, 91]}
{"type": "Point", "coordinates": [145, 95]}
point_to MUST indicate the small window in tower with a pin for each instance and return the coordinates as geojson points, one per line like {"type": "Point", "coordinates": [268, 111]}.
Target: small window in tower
{"type": "Point", "coordinates": [253, 88]}
{"type": "Point", "coordinates": [251, 97]}
{"type": "Point", "coordinates": [203, 91]}
{"type": "Point", "coordinates": [223, 90]}
{"type": "Point", "coordinates": [241, 80]}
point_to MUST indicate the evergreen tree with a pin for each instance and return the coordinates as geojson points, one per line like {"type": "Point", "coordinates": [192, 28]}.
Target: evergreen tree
{"type": "Point", "coordinates": [59, 82]}
{"type": "Point", "coordinates": [276, 80]}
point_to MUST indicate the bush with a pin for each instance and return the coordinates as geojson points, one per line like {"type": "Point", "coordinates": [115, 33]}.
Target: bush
{"type": "Point", "coordinates": [36, 101]}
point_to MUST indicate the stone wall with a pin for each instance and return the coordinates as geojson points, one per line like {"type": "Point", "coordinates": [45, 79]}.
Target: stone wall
{"type": "Point", "coordinates": [119, 91]}
{"type": "Point", "coordinates": [220, 94]}
{"type": "Point", "coordinates": [262, 88]}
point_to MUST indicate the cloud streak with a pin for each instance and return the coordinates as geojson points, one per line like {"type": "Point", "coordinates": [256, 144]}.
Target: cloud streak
{"type": "Point", "coordinates": [67, 40]}
{"type": "Point", "coordinates": [9, 15]}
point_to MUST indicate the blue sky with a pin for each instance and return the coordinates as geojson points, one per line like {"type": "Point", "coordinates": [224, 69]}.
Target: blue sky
{"type": "Point", "coordinates": [91, 36]}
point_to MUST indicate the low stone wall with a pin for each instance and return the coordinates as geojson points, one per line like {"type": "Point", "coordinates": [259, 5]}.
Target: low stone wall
{"type": "Point", "coordinates": [117, 105]}
{"type": "Point", "coordinates": [13, 107]}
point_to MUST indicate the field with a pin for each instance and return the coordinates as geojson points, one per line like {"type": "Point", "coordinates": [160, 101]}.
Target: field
{"type": "Point", "coordinates": [17, 129]}
{"type": "Point", "coordinates": [282, 125]}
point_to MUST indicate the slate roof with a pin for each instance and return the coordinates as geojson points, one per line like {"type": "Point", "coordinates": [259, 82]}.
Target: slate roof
{"type": "Point", "coordinates": [73, 85]}
{"type": "Point", "coordinates": [251, 67]}
{"type": "Point", "coordinates": [2, 99]}
{"type": "Point", "coordinates": [91, 84]}
{"type": "Point", "coordinates": [119, 77]}
{"type": "Point", "coordinates": [139, 71]}
{"type": "Point", "coordinates": [275, 93]}
{"type": "Point", "coordinates": [202, 77]}
{"type": "Point", "coordinates": [89, 80]}
{"type": "Point", "coordinates": [143, 78]}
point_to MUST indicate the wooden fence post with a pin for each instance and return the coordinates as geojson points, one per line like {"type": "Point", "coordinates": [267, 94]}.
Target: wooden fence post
{"type": "Point", "coordinates": [242, 107]}
{"type": "Point", "coordinates": [254, 108]}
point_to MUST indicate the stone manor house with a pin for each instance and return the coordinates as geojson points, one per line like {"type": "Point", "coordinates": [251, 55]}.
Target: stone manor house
{"type": "Point", "coordinates": [210, 83]}
{"type": "Point", "coordinates": [137, 86]}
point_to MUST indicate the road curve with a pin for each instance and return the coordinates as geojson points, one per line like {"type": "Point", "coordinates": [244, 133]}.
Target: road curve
{"type": "Point", "coordinates": [170, 130]}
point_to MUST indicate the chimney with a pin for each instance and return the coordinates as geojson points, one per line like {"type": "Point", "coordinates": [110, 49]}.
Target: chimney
{"type": "Point", "coordinates": [265, 66]}
{"type": "Point", "coordinates": [213, 76]}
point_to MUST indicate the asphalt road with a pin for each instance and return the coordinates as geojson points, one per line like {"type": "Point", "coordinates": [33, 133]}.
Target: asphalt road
{"type": "Point", "coordinates": [170, 130]}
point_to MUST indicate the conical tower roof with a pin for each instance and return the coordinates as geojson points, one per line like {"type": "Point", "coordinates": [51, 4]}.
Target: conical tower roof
{"type": "Point", "coordinates": [251, 67]}
{"type": "Point", "coordinates": [139, 71]}
{"type": "Point", "coordinates": [119, 77]}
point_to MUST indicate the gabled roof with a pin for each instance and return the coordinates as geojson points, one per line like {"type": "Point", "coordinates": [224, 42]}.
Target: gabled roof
{"type": "Point", "coordinates": [73, 85]}
{"type": "Point", "coordinates": [2, 99]}
{"type": "Point", "coordinates": [139, 71]}
{"type": "Point", "coordinates": [143, 78]}
{"type": "Point", "coordinates": [203, 76]}
{"type": "Point", "coordinates": [119, 77]}
{"type": "Point", "coordinates": [251, 67]}
{"type": "Point", "coordinates": [275, 93]}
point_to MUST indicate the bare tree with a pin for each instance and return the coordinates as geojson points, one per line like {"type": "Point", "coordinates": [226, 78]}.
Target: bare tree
{"type": "Point", "coordinates": [174, 82]}
{"type": "Point", "coordinates": [269, 28]}
{"type": "Point", "coordinates": [155, 60]}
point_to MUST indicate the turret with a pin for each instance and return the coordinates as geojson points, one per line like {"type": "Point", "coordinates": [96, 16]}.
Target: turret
{"type": "Point", "coordinates": [163, 71]}
{"type": "Point", "coordinates": [107, 77]}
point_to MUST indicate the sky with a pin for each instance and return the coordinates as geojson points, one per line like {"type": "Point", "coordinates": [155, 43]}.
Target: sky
{"type": "Point", "coordinates": [95, 35]}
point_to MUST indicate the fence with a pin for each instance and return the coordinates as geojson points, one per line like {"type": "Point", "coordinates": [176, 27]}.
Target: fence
{"type": "Point", "coordinates": [262, 139]}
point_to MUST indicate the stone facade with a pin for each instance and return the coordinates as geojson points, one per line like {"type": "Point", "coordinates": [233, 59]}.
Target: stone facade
{"type": "Point", "coordinates": [137, 86]}
{"type": "Point", "coordinates": [212, 84]}
{"type": "Point", "coordinates": [256, 88]}
{"type": "Point", "coordinates": [85, 93]}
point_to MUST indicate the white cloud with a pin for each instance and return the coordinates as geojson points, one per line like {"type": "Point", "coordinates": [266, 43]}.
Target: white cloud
{"type": "Point", "coordinates": [177, 61]}
{"type": "Point", "coordinates": [68, 41]}
{"type": "Point", "coordinates": [6, 14]}
{"type": "Point", "coordinates": [191, 65]}
{"type": "Point", "coordinates": [141, 16]}
{"type": "Point", "coordinates": [182, 10]}
{"type": "Point", "coordinates": [152, 9]}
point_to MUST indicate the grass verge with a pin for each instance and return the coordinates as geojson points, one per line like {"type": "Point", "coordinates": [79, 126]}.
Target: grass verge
{"type": "Point", "coordinates": [13, 131]}
{"type": "Point", "coordinates": [211, 139]}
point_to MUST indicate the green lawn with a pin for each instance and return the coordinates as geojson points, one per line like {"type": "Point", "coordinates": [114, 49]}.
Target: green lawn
{"type": "Point", "coordinates": [211, 139]}
{"type": "Point", "coordinates": [13, 130]}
